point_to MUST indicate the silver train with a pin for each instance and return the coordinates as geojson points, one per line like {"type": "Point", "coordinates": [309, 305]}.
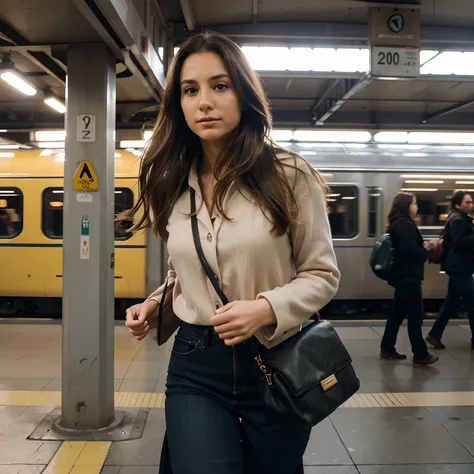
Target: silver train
{"type": "Point", "coordinates": [363, 181]}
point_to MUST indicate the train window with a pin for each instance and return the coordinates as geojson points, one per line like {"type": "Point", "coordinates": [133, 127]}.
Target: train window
{"type": "Point", "coordinates": [123, 202]}
{"type": "Point", "coordinates": [52, 218]}
{"type": "Point", "coordinates": [343, 203]}
{"type": "Point", "coordinates": [11, 213]}
{"type": "Point", "coordinates": [433, 209]}
{"type": "Point", "coordinates": [373, 201]}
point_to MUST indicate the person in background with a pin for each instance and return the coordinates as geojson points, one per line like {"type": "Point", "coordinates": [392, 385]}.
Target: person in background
{"type": "Point", "coordinates": [408, 272]}
{"type": "Point", "coordinates": [458, 243]}
{"type": "Point", "coordinates": [6, 225]}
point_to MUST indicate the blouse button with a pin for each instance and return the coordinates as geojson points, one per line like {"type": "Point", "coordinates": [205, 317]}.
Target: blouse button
{"type": "Point", "coordinates": [209, 237]}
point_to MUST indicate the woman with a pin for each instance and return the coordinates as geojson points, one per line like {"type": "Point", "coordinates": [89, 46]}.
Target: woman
{"type": "Point", "coordinates": [264, 231]}
{"type": "Point", "coordinates": [407, 275]}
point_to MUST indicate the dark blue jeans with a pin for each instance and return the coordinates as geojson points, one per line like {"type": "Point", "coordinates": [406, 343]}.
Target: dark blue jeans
{"type": "Point", "coordinates": [460, 287]}
{"type": "Point", "coordinates": [407, 301]}
{"type": "Point", "coordinates": [215, 419]}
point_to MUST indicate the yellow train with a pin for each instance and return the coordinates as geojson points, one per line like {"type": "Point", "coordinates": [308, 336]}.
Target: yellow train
{"type": "Point", "coordinates": [31, 210]}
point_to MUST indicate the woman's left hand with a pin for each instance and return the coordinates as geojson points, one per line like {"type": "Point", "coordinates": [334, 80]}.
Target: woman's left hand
{"type": "Point", "coordinates": [239, 320]}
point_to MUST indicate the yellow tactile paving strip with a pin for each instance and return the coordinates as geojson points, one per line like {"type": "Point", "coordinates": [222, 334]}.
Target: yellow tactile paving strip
{"type": "Point", "coordinates": [156, 400]}
{"type": "Point", "coordinates": [79, 457]}
{"type": "Point", "coordinates": [46, 398]}
{"type": "Point", "coordinates": [410, 399]}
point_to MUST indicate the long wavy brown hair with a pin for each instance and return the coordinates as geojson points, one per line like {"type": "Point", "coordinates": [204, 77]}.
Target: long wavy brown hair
{"type": "Point", "coordinates": [249, 158]}
{"type": "Point", "coordinates": [400, 208]}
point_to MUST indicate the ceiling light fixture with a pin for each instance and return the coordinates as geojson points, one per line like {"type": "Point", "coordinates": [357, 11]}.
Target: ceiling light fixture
{"type": "Point", "coordinates": [132, 143]}
{"type": "Point", "coordinates": [50, 144]}
{"type": "Point", "coordinates": [13, 77]}
{"type": "Point", "coordinates": [391, 137]}
{"type": "Point", "coordinates": [441, 137]}
{"type": "Point", "coordinates": [16, 81]}
{"type": "Point", "coordinates": [438, 176]}
{"type": "Point", "coordinates": [281, 135]}
{"type": "Point", "coordinates": [428, 181]}
{"type": "Point", "coordinates": [147, 134]}
{"type": "Point", "coordinates": [55, 104]}
{"type": "Point", "coordinates": [9, 146]}
{"type": "Point", "coordinates": [351, 136]}
{"type": "Point", "coordinates": [49, 135]}
{"type": "Point", "coordinates": [420, 189]}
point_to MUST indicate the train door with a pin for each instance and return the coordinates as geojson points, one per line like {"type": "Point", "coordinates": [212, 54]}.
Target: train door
{"type": "Point", "coordinates": [346, 202]}
{"type": "Point", "coordinates": [376, 192]}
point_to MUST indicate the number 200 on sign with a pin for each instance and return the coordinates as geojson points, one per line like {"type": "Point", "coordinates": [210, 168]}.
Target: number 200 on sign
{"type": "Point", "coordinates": [395, 62]}
{"type": "Point", "coordinates": [388, 58]}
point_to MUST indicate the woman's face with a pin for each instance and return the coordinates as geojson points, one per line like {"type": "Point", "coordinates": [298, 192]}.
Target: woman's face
{"type": "Point", "coordinates": [209, 101]}
{"type": "Point", "coordinates": [413, 209]}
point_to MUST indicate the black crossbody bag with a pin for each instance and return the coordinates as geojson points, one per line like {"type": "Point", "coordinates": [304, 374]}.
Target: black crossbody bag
{"type": "Point", "coordinates": [304, 378]}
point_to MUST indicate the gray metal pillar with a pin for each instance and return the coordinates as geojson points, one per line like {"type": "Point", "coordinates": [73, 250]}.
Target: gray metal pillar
{"type": "Point", "coordinates": [157, 254]}
{"type": "Point", "coordinates": [88, 253]}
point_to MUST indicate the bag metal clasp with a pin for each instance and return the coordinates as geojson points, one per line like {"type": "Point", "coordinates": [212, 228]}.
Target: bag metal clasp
{"type": "Point", "coordinates": [329, 382]}
{"type": "Point", "coordinates": [268, 375]}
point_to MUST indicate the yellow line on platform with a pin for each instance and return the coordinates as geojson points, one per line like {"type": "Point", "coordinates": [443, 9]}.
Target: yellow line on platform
{"type": "Point", "coordinates": [79, 457]}
{"type": "Point", "coordinates": [49, 398]}
{"type": "Point", "coordinates": [157, 400]}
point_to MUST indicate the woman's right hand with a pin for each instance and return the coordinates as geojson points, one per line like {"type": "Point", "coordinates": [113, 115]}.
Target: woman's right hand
{"type": "Point", "coordinates": [141, 318]}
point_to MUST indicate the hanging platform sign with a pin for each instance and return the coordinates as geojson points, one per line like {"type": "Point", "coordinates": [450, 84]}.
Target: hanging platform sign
{"type": "Point", "coordinates": [394, 43]}
{"type": "Point", "coordinates": [85, 178]}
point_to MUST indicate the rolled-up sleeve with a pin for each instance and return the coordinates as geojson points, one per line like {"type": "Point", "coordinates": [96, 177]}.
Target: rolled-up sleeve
{"type": "Point", "coordinates": [317, 276]}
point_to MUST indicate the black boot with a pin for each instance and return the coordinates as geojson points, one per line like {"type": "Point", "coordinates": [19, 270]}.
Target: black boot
{"type": "Point", "coordinates": [392, 355]}
{"type": "Point", "coordinates": [429, 359]}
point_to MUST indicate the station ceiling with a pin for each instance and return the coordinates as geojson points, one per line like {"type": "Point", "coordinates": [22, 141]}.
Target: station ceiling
{"type": "Point", "coordinates": [35, 35]}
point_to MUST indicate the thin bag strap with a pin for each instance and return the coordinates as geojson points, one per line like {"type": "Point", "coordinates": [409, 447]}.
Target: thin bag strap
{"type": "Point", "coordinates": [160, 310]}
{"type": "Point", "coordinates": [197, 244]}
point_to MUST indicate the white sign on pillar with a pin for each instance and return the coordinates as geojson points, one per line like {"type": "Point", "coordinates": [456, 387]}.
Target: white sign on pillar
{"type": "Point", "coordinates": [394, 43]}
{"type": "Point", "coordinates": [86, 128]}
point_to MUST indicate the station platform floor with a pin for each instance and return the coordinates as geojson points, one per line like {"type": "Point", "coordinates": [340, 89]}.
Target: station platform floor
{"type": "Point", "coordinates": [405, 419]}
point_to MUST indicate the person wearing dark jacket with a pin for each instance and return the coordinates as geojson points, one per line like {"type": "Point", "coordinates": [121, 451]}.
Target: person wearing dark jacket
{"type": "Point", "coordinates": [458, 243]}
{"type": "Point", "coordinates": [406, 277]}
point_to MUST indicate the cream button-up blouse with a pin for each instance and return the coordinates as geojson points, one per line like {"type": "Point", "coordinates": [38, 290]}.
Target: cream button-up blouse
{"type": "Point", "coordinates": [296, 272]}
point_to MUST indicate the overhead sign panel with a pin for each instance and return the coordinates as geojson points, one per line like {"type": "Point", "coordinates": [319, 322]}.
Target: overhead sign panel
{"type": "Point", "coordinates": [394, 43]}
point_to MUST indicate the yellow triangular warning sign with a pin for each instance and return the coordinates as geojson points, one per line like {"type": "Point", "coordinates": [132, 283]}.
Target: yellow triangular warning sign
{"type": "Point", "coordinates": [85, 177]}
